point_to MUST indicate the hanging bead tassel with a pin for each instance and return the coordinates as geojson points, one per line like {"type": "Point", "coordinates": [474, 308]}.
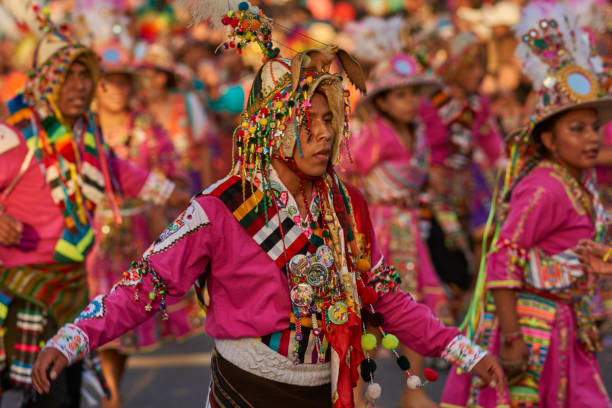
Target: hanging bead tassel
{"type": "Point", "coordinates": [373, 392]}
{"type": "Point", "coordinates": [414, 382]}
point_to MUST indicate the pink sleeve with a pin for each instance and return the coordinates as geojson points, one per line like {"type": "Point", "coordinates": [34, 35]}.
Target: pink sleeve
{"type": "Point", "coordinates": [12, 153]}
{"type": "Point", "coordinates": [437, 133]}
{"type": "Point", "coordinates": [131, 179]}
{"type": "Point", "coordinates": [138, 183]}
{"type": "Point", "coordinates": [170, 265]}
{"type": "Point", "coordinates": [535, 211]}
{"type": "Point", "coordinates": [414, 324]}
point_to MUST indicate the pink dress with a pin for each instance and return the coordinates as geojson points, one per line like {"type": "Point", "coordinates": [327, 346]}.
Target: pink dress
{"type": "Point", "coordinates": [392, 179]}
{"type": "Point", "coordinates": [546, 219]}
{"type": "Point", "coordinates": [604, 182]}
{"type": "Point", "coordinates": [145, 144]}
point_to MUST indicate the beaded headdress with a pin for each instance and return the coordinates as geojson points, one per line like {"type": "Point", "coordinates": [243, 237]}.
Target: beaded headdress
{"type": "Point", "coordinates": [279, 101]}
{"type": "Point", "coordinates": [563, 66]}
{"type": "Point", "coordinates": [54, 54]}
{"type": "Point", "coordinates": [567, 74]}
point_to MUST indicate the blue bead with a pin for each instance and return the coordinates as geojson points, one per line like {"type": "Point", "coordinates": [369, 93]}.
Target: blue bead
{"type": "Point", "coordinates": [243, 6]}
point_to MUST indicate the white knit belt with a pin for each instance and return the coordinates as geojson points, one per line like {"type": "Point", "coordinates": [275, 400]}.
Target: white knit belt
{"type": "Point", "coordinates": [253, 356]}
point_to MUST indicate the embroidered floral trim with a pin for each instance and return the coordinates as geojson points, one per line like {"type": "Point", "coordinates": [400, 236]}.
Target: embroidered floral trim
{"type": "Point", "coordinates": [384, 278]}
{"type": "Point", "coordinates": [190, 220]}
{"type": "Point", "coordinates": [71, 341]}
{"type": "Point", "coordinates": [463, 352]}
{"type": "Point", "coordinates": [95, 310]}
{"type": "Point", "coordinates": [156, 189]}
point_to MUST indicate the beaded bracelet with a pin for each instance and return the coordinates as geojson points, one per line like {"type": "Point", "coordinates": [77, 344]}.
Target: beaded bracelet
{"type": "Point", "coordinates": [159, 286]}
{"type": "Point", "coordinates": [509, 338]}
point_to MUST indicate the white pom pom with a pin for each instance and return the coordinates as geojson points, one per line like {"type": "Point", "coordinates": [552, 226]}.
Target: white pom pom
{"type": "Point", "coordinates": [414, 382]}
{"type": "Point", "coordinates": [373, 392]}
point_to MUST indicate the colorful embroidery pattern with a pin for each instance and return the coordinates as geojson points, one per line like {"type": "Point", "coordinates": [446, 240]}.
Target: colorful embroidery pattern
{"type": "Point", "coordinates": [189, 221]}
{"type": "Point", "coordinates": [71, 341]}
{"type": "Point", "coordinates": [384, 278]}
{"type": "Point", "coordinates": [463, 352]}
{"type": "Point", "coordinates": [156, 189]}
{"type": "Point", "coordinates": [94, 310]}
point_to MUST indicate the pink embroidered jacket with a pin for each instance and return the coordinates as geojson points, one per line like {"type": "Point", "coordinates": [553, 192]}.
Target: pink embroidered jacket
{"type": "Point", "coordinates": [249, 295]}
{"type": "Point", "coordinates": [31, 202]}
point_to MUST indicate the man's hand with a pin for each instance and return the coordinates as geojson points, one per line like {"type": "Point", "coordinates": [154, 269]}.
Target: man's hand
{"type": "Point", "coordinates": [10, 230]}
{"type": "Point", "coordinates": [52, 360]}
{"type": "Point", "coordinates": [491, 373]}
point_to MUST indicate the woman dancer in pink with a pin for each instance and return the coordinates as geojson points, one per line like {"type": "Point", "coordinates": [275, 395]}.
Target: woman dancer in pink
{"type": "Point", "coordinates": [389, 161]}
{"type": "Point", "coordinates": [136, 137]}
{"type": "Point", "coordinates": [532, 304]}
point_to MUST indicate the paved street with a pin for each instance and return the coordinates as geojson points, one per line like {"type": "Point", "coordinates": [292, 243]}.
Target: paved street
{"type": "Point", "coordinates": [177, 376]}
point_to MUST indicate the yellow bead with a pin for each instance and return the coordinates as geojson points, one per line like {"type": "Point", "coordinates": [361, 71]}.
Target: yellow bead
{"type": "Point", "coordinates": [252, 129]}
{"type": "Point", "coordinates": [263, 121]}
{"type": "Point", "coordinates": [368, 342]}
{"type": "Point", "coordinates": [390, 342]}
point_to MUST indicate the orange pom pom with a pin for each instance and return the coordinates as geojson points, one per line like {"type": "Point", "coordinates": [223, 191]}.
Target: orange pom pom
{"type": "Point", "coordinates": [363, 265]}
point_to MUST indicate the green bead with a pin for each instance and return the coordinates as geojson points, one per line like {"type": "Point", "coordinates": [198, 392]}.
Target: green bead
{"type": "Point", "coordinates": [368, 342]}
{"type": "Point", "coordinates": [152, 296]}
{"type": "Point", "coordinates": [390, 342]}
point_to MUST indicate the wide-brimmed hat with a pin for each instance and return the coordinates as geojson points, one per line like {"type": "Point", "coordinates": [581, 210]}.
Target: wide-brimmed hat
{"type": "Point", "coordinates": [398, 71]}
{"type": "Point", "coordinates": [156, 56]}
{"type": "Point", "coordinates": [115, 58]}
{"type": "Point", "coordinates": [564, 69]}
{"type": "Point", "coordinates": [462, 49]}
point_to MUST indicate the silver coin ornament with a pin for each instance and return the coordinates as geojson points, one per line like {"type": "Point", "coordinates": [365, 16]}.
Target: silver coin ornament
{"type": "Point", "coordinates": [317, 274]}
{"type": "Point", "coordinates": [298, 265]}
{"type": "Point", "coordinates": [338, 313]}
{"type": "Point", "coordinates": [325, 255]}
{"type": "Point", "coordinates": [302, 295]}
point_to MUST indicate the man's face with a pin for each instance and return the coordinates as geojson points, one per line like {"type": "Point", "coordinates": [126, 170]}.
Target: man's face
{"type": "Point", "coordinates": [316, 145]}
{"type": "Point", "coordinates": [76, 92]}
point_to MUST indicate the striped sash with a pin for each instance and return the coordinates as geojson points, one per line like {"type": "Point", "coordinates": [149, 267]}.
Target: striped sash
{"type": "Point", "coordinates": [276, 233]}
{"type": "Point", "coordinates": [59, 289]}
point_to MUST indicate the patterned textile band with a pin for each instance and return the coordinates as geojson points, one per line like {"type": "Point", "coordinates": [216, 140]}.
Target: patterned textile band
{"type": "Point", "coordinates": [59, 289]}
{"type": "Point", "coordinates": [232, 387]}
{"type": "Point", "coordinates": [255, 357]}
{"type": "Point", "coordinates": [24, 333]}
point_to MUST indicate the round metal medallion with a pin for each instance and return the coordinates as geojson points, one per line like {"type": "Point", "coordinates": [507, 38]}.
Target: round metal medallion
{"type": "Point", "coordinates": [298, 265]}
{"type": "Point", "coordinates": [338, 313]}
{"type": "Point", "coordinates": [302, 295]}
{"type": "Point", "coordinates": [317, 274]}
{"type": "Point", "coordinates": [325, 255]}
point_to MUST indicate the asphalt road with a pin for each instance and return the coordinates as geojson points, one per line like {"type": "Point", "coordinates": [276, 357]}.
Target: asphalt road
{"type": "Point", "coordinates": [177, 375]}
